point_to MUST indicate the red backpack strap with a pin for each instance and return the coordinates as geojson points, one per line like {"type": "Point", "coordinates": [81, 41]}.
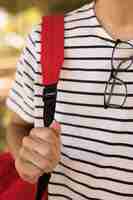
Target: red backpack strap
{"type": "Point", "coordinates": [52, 48]}
{"type": "Point", "coordinates": [52, 57]}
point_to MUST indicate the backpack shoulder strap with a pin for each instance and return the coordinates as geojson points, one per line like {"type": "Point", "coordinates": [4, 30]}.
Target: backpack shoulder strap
{"type": "Point", "coordinates": [52, 48]}
{"type": "Point", "coordinates": [52, 57]}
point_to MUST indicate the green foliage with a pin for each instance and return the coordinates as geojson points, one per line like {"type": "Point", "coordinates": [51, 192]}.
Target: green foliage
{"type": "Point", "coordinates": [15, 6]}
{"type": "Point", "coordinates": [4, 121]}
{"type": "Point", "coordinates": [65, 6]}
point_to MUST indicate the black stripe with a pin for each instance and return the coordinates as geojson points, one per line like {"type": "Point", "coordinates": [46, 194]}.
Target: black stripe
{"type": "Point", "coordinates": [79, 19]}
{"type": "Point", "coordinates": [94, 69]}
{"type": "Point", "coordinates": [31, 40]}
{"type": "Point", "coordinates": [39, 84]}
{"type": "Point", "coordinates": [91, 187]}
{"type": "Point", "coordinates": [29, 51]}
{"type": "Point", "coordinates": [19, 73]}
{"type": "Point", "coordinates": [88, 47]}
{"type": "Point", "coordinates": [93, 105]}
{"type": "Point", "coordinates": [87, 81]}
{"type": "Point", "coordinates": [29, 65]}
{"type": "Point", "coordinates": [30, 98]}
{"type": "Point", "coordinates": [97, 165]}
{"type": "Point", "coordinates": [37, 41]}
{"type": "Point", "coordinates": [91, 81]}
{"type": "Point", "coordinates": [71, 189]}
{"type": "Point", "coordinates": [31, 108]}
{"type": "Point", "coordinates": [96, 177]}
{"type": "Point", "coordinates": [37, 31]}
{"type": "Point", "coordinates": [17, 83]}
{"type": "Point", "coordinates": [98, 153]}
{"type": "Point", "coordinates": [82, 27]}
{"type": "Point", "coordinates": [93, 58]}
{"type": "Point", "coordinates": [38, 73]}
{"type": "Point", "coordinates": [91, 93]}
{"type": "Point", "coordinates": [38, 62]}
{"type": "Point", "coordinates": [96, 140]}
{"type": "Point", "coordinates": [29, 87]}
{"type": "Point", "coordinates": [94, 117]}
{"type": "Point", "coordinates": [29, 76]}
{"type": "Point", "coordinates": [59, 195]}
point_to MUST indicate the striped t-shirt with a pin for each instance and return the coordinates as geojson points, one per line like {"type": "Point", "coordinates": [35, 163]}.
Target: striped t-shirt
{"type": "Point", "coordinates": [97, 143]}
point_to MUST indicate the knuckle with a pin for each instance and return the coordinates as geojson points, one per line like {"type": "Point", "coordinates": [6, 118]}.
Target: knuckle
{"type": "Point", "coordinates": [43, 164]}
{"type": "Point", "coordinates": [52, 163]}
{"type": "Point", "coordinates": [48, 132]}
{"type": "Point", "coordinates": [56, 150]}
{"type": "Point", "coordinates": [33, 131]}
{"type": "Point", "coordinates": [25, 141]}
{"type": "Point", "coordinates": [48, 166]}
{"type": "Point", "coordinates": [21, 152]}
{"type": "Point", "coordinates": [48, 153]}
{"type": "Point", "coordinates": [45, 136]}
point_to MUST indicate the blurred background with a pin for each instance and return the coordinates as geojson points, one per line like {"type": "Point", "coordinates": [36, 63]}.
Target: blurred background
{"type": "Point", "coordinates": [14, 15]}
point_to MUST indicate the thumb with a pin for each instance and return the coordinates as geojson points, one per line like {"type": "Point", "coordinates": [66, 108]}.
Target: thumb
{"type": "Point", "coordinates": [56, 126]}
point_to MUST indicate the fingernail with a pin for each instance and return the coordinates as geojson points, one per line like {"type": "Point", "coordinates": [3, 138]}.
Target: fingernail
{"type": "Point", "coordinates": [55, 125]}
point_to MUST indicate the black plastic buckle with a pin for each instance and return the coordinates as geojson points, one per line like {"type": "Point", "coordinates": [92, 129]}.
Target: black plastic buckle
{"type": "Point", "coordinates": [49, 92]}
{"type": "Point", "coordinates": [49, 98]}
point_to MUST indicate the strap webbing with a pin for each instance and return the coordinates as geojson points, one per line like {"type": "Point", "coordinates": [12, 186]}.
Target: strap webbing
{"type": "Point", "coordinates": [52, 48]}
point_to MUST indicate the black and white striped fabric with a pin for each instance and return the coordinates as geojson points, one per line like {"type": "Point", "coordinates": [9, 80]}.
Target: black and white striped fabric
{"type": "Point", "coordinates": [97, 143]}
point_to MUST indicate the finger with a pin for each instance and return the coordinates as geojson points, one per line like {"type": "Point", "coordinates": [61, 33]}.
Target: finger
{"type": "Point", "coordinates": [41, 147]}
{"type": "Point", "coordinates": [45, 150]}
{"type": "Point", "coordinates": [26, 170]}
{"type": "Point", "coordinates": [45, 134]}
{"type": "Point", "coordinates": [49, 153]}
{"type": "Point", "coordinates": [36, 159]}
{"type": "Point", "coordinates": [56, 127]}
{"type": "Point", "coordinates": [29, 179]}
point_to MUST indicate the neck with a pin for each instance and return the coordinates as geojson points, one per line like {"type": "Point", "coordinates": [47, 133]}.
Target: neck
{"type": "Point", "coordinates": [119, 11]}
{"type": "Point", "coordinates": [116, 15]}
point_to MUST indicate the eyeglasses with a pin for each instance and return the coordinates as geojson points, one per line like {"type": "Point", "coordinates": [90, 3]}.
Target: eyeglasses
{"type": "Point", "coordinates": [115, 93]}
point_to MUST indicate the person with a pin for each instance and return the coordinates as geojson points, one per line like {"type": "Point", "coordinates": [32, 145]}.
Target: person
{"type": "Point", "coordinates": [89, 146]}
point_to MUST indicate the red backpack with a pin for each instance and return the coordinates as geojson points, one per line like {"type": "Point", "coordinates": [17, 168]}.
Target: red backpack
{"type": "Point", "coordinates": [52, 56]}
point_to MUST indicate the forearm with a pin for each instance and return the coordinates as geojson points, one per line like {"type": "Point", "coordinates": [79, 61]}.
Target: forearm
{"type": "Point", "coordinates": [14, 137]}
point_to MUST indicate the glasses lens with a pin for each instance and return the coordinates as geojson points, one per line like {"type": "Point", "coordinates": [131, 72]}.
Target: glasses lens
{"type": "Point", "coordinates": [115, 92]}
{"type": "Point", "coordinates": [122, 56]}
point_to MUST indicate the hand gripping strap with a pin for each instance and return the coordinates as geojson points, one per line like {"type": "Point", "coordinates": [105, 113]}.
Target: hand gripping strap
{"type": "Point", "coordinates": [52, 48]}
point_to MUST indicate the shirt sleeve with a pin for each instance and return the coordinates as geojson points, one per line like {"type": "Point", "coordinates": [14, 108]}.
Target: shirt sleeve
{"type": "Point", "coordinates": [21, 95]}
